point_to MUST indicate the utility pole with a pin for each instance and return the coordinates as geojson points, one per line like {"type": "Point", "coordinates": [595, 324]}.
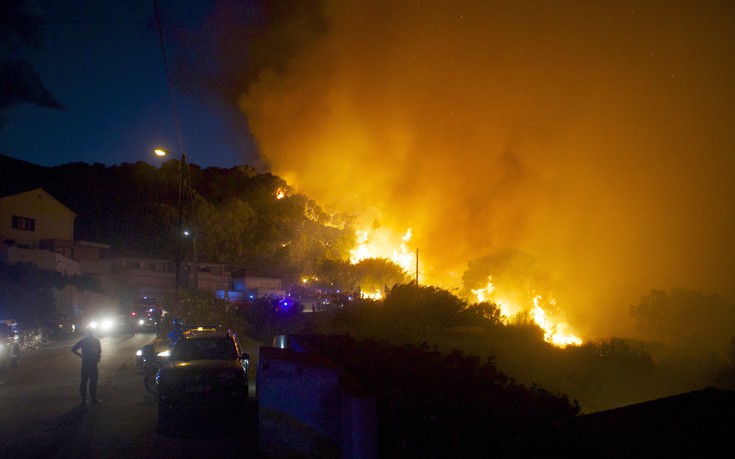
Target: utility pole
{"type": "Point", "coordinates": [417, 266]}
{"type": "Point", "coordinates": [182, 163]}
{"type": "Point", "coordinates": [177, 279]}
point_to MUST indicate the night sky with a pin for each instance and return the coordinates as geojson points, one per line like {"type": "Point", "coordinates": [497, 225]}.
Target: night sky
{"type": "Point", "coordinates": [102, 63]}
{"type": "Point", "coordinates": [596, 136]}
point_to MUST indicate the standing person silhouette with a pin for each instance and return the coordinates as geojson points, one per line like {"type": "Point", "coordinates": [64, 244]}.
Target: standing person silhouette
{"type": "Point", "coordinates": [91, 353]}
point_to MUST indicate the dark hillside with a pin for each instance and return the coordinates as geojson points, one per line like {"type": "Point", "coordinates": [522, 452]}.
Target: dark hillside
{"type": "Point", "coordinates": [17, 176]}
{"type": "Point", "coordinates": [242, 218]}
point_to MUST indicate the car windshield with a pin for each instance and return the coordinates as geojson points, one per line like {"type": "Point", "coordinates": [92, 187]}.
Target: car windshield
{"type": "Point", "coordinates": [204, 349]}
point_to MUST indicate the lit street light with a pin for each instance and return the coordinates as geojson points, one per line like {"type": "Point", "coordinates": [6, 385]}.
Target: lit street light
{"type": "Point", "coordinates": [182, 164]}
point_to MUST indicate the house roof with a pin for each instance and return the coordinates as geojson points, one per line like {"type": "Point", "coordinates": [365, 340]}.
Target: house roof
{"type": "Point", "coordinates": [697, 424]}
{"type": "Point", "coordinates": [39, 190]}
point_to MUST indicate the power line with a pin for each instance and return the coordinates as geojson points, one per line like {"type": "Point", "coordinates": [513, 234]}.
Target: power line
{"type": "Point", "coordinates": [169, 80]}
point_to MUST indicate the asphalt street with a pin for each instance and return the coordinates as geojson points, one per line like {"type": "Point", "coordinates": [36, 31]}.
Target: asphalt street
{"type": "Point", "coordinates": [41, 416]}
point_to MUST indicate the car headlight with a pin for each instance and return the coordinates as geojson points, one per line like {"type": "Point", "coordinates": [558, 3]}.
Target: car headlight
{"type": "Point", "coordinates": [107, 324]}
{"type": "Point", "coordinates": [139, 353]}
{"type": "Point", "coordinates": [141, 322]}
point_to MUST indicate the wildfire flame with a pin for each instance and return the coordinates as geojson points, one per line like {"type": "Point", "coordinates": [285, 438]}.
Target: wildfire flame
{"type": "Point", "coordinates": [376, 295]}
{"type": "Point", "coordinates": [378, 242]}
{"type": "Point", "coordinates": [556, 333]}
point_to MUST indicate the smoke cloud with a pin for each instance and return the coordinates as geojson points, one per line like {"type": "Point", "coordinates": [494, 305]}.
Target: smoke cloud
{"type": "Point", "coordinates": [596, 136]}
{"type": "Point", "coordinates": [21, 27]}
{"type": "Point", "coordinates": [24, 85]}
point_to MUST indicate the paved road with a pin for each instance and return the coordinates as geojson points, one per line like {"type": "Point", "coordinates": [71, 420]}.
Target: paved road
{"type": "Point", "coordinates": [40, 414]}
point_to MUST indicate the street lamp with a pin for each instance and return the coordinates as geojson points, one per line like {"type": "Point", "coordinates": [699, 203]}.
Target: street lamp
{"type": "Point", "coordinates": [182, 163]}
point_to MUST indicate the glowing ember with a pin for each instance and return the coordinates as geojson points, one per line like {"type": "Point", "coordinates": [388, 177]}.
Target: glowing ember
{"type": "Point", "coordinates": [280, 193]}
{"type": "Point", "coordinates": [556, 333]}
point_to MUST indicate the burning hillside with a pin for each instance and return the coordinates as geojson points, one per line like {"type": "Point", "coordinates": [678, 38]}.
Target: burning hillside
{"type": "Point", "coordinates": [541, 311]}
{"type": "Point", "coordinates": [590, 135]}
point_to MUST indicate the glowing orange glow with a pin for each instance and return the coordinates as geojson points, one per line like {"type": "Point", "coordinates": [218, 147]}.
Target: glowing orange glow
{"type": "Point", "coordinates": [376, 295]}
{"type": "Point", "coordinates": [555, 332]}
{"type": "Point", "coordinates": [455, 119]}
{"type": "Point", "coordinates": [280, 193]}
{"type": "Point", "coordinates": [382, 243]}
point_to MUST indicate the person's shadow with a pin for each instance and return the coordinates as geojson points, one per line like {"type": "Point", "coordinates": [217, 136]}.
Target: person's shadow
{"type": "Point", "coordinates": [73, 416]}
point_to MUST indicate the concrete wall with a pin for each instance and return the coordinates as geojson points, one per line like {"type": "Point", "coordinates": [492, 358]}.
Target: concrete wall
{"type": "Point", "coordinates": [76, 250]}
{"type": "Point", "coordinates": [43, 259]}
{"type": "Point", "coordinates": [309, 407]}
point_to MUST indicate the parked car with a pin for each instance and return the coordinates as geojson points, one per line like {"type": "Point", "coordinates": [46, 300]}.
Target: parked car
{"type": "Point", "coordinates": [142, 353]}
{"type": "Point", "coordinates": [206, 369]}
{"type": "Point", "coordinates": [9, 344]}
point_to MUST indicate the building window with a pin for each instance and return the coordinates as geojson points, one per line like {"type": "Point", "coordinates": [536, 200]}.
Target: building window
{"type": "Point", "coordinates": [23, 223]}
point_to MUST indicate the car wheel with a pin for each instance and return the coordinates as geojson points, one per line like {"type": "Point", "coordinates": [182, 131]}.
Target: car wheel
{"type": "Point", "coordinates": [149, 380]}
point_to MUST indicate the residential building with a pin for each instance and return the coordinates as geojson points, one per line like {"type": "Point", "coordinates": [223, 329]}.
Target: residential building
{"type": "Point", "coordinates": [36, 228]}
{"type": "Point", "coordinates": [29, 217]}
{"type": "Point", "coordinates": [251, 286]}
{"type": "Point", "coordinates": [139, 276]}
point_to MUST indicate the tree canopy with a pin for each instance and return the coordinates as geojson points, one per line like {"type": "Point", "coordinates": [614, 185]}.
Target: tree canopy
{"type": "Point", "coordinates": [685, 318]}
{"type": "Point", "coordinates": [248, 220]}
